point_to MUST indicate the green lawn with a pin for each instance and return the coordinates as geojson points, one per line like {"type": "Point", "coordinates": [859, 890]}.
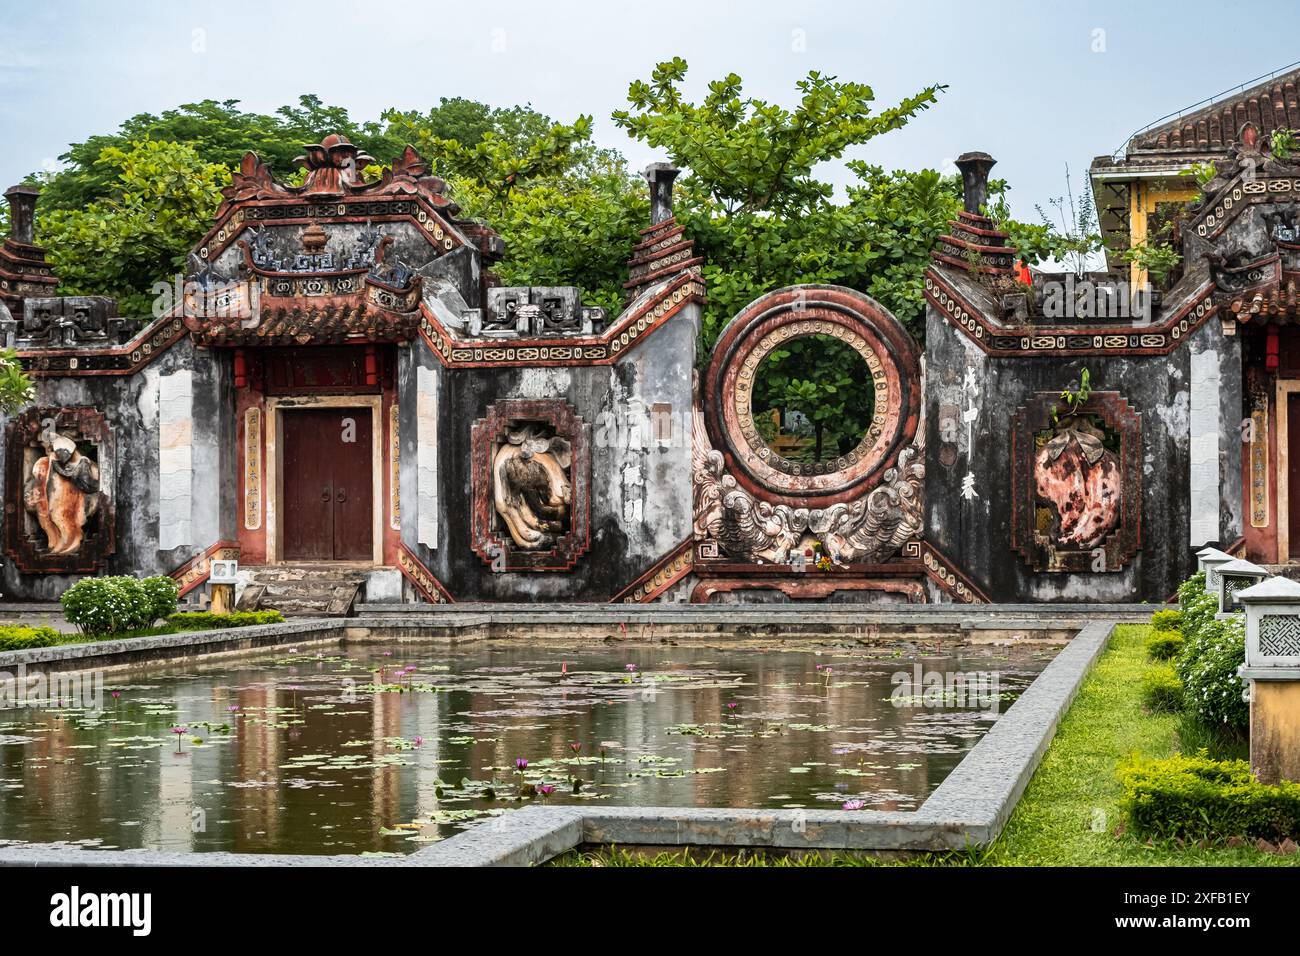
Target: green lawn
{"type": "Point", "coordinates": [1070, 813]}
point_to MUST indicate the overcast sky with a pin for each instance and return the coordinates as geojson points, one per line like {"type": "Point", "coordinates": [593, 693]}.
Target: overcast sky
{"type": "Point", "coordinates": [1038, 85]}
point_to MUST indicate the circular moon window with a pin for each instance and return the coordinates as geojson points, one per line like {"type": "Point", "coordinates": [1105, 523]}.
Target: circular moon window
{"type": "Point", "coordinates": [809, 392]}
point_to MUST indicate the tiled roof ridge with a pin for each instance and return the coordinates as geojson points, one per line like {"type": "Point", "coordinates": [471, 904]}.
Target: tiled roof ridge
{"type": "Point", "coordinates": [1271, 104]}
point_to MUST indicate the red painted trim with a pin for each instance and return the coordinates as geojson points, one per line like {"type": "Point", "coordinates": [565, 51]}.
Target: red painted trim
{"type": "Point", "coordinates": [976, 326]}
{"type": "Point", "coordinates": [634, 326]}
{"type": "Point", "coordinates": [424, 580]}
{"type": "Point", "coordinates": [851, 310]}
{"type": "Point", "coordinates": [677, 563]}
{"type": "Point", "coordinates": [197, 570]}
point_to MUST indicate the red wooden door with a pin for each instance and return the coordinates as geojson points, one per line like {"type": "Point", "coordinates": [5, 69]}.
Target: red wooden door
{"type": "Point", "coordinates": [327, 485]}
{"type": "Point", "coordinates": [349, 447]}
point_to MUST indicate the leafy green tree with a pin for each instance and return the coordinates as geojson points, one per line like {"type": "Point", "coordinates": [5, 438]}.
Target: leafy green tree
{"type": "Point", "coordinates": [467, 122]}
{"type": "Point", "coordinates": [218, 132]}
{"type": "Point", "coordinates": [497, 165]}
{"type": "Point", "coordinates": [568, 210]}
{"type": "Point", "coordinates": [762, 219]}
{"type": "Point", "coordinates": [566, 229]}
{"type": "Point", "coordinates": [758, 214]}
{"type": "Point", "coordinates": [827, 384]}
{"type": "Point", "coordinates": [16, 389]}
{"type": "Point", "coordinates": [162, 199]}
{"type": "Point", "coordinates": [748, 155]}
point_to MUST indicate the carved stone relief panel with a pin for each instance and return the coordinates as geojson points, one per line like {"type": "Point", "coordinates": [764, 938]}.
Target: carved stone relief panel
{"type": "Point", "coordinates": [60, 473]}
{"type": "Point", "coordinates": [531, 464]}
{"type": "Point", "coordinates": [1076, 484]}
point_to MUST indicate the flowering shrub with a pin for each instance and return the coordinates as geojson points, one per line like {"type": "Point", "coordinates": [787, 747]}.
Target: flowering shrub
{"type": "Point", "coordinates": [1207, 666]}
{"type": "Point", "coordinates": [113, 605]}
{"type": "Point", "coordinates": [1189, 590]}
{"type": "Point", "coordinates": [163, 594]}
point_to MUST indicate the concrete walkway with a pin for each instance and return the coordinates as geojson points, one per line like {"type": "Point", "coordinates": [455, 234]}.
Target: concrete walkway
{"type": "Point", "coordinates": [35, 615]}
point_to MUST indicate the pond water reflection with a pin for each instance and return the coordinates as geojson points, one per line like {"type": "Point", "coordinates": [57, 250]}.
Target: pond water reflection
{"type": "Point", "coordinates": [383, 748]}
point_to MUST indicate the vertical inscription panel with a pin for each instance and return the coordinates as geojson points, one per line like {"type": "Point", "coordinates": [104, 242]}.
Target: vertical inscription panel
{"type": "Point", "coordinates": [253, 469]}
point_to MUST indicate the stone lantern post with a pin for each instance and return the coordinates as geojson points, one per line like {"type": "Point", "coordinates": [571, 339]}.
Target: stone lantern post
{"type": "Point", "coordinates": [1235, 576]}
{"type": "Point", "coordinates": [1207, 559]}
{"type": "Point", "coordinates": [222, 578]}
{"type": "Point", "coordinates": [1272, 676]}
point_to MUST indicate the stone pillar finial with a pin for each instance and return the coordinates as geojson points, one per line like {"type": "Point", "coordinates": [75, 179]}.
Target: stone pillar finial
{"type": "Point", "coordinates": [660, 176]}
{"type": "Point", "coordinates": [975, 180]}
{"type": "Point", "coordinates": [22, 212]}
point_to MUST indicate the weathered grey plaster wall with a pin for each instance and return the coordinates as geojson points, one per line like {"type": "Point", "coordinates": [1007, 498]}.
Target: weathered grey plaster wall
{"type": "Point", "coordinates": [131, 406]}
{"type": "Point", "coordinates": [640, 485]}
{"type": "Point", "coordinates": [976, 533]}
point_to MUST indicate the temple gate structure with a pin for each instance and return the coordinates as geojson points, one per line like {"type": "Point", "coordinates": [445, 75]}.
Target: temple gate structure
{"type": "Point", "coordinates": [342, 397]}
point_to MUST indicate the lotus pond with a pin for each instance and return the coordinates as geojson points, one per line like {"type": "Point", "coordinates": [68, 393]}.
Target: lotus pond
{"type": "Point", "coordinates": [382, 748]}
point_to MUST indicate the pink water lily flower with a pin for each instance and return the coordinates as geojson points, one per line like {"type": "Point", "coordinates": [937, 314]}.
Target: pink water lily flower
{"type": "Point", "coordinates": [854, 804]}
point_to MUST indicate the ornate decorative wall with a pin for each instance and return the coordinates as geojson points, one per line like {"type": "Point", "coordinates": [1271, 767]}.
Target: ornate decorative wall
{"type": "Point", "coordinates": [752, 506]}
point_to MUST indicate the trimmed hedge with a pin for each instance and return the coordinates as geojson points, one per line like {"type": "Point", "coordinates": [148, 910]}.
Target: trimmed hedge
{"type": "Point", "coordinates": [18, 637]}
{"type": "Point", "coordinates": [1164, 645]}
{"type": "Point", "coordinates": [114, 605]}
{"type": "Point", "coordinates": [1162, 691]}
{"type": "Point", "coordinates": [1167, 620]}
{"type": "Point", "coordinates": [206, 620]}
{"type": "Point", "coordinates": [1196, 797]}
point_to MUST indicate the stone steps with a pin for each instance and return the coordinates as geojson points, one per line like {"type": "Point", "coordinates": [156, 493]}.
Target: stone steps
{"type": "Point", "coordinates": [316, 590]}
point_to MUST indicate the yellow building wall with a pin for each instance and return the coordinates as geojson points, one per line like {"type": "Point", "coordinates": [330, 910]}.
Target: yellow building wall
{"type": "Point", "coordinates": [1144, 197]}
